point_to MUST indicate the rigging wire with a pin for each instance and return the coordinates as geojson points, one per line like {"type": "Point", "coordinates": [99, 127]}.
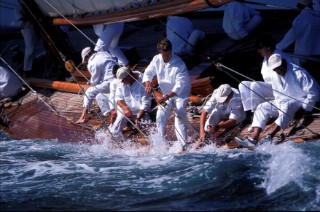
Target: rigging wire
{"type": "Point", "coordinates": [94, 43]}
{"type": "Point", "coordinates": [32, 90]}
{"type": "Point", "coordinates": [219, 65]}
{"type": "Point", "coordinates": [87, 79]}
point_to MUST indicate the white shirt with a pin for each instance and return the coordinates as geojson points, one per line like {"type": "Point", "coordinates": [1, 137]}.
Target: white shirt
{"type": "Point", "coordinates": [100, 66]}
{"type": "Point", "coordinates": [172, 76]}
{"type": "Point", "coordinates": [305, 33]}
{"type": "Point", "coordinates": [234, 107]}
{"type": "Point", "coordinates": [296, 83]}
{"type": "Point", "coordinates": [134, 95]}
{"type": "Point", "coordinates": [113, 88]}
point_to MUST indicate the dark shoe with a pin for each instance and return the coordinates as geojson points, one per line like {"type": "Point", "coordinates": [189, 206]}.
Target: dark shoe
{"type": "Point", "coordinates": [266, 139]}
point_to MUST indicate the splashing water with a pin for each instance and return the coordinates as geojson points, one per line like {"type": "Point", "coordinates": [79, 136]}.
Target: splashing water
{"type": "Point", "coordinates": [51, 175]}
{"type": "Point", "coordinates": [286, 164]}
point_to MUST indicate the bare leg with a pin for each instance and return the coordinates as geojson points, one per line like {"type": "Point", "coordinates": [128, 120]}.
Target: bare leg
{"type": "Point", "coordinates": [83, 116]}
{"type": "Point", "coordinates": [256, 133]}
{"type": "Point", "coordinates": [274, 131]}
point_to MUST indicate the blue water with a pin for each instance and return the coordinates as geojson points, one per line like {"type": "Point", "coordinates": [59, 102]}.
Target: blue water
{"type": "Point", "coordinates": [50, 175]}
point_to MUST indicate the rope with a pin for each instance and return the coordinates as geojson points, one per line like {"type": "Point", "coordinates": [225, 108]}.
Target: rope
{"type": "Point", "coordinates": [162, 106]}
{"type": "Point", "coordinates": [220, 65]}
{"type": "Point", "coordinates": [83, 75]}
{"type": "Point", "coordinates": [61, 55]}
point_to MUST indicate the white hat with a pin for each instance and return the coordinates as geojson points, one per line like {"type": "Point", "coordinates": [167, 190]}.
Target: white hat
{"type": "Point", "coordinates": [306, 3]}
{"type": "Point", "coordinates": [223, 92]}
{"type": "Point", "coordinates": [85, 52]}
{"type": "Point", "coordinates": [122, 73]}
{"type": "Point", "coordinates": [274, 61]}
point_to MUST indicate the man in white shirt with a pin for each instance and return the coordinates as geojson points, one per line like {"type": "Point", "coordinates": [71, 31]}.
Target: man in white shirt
{"type": "Point", "coordinates": [225, 111]}
{"type": "Point", "coordinates": [239, 20]}
{"type": "Point", "coordinates": [133, 102]}
{"type": "Point", "coordinates": [304, 34]}
{"type": "Point", "coordinates": [100, 66]}
{"type": "Point", "coordinates": [109, 35]}
{"type": "Point", "coordinates": [182, 35]}
{"type": "Point", "coordinates": [174, 82]}
{"type": "Point", "coordinates": [294, 88]}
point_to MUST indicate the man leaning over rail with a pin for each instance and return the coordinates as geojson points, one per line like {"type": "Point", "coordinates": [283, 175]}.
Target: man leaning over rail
{"type": "Point", "coordinates": [225, 109]}
{"type": "Point", "coordinates": [294, 88]}
{"type": "Point", "coordinates": [100, 66]}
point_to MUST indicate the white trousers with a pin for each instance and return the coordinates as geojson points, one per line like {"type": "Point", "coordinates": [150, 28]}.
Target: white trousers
{"type": "Point", "coordinates": [248, 27]}
{"type": "Point", "coordinates": [214, 118]}
{"type": "Point", "coordinates": [179, 106]}
{"type": "Point", "coordinates": [93, 91]}
{"type": "Point", "coordinates": [254, 93]}
{"type": "Point", "coordinates": [121, 121]}
{"type": "Point", "coordinates": [103, 102]}
{"type": "Point", "coordinates": [30, 40]}
{"type": "Point", "coordinates": [284, 111]}
{"type": "Point", "coordinates": [193, 39]}
{"type": "Point", "coordinates": [109, 39]}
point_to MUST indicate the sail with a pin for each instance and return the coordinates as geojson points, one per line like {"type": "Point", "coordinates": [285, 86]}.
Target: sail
{"type": "Point", "coordinates": [89, 12]}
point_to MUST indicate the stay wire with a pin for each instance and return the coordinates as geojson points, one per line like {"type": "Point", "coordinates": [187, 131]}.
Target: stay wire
{"type": "Point", "coordinates": [300, 122]}
{"type": "Point", "coordinates": [32, 90]}
{"type": "Point", "coordinates": [163, 23]}
{"type": "Point", "coordinates": [82, 33]}
{"type": "Point", "coordinates": [61, 55]}
{"type": "Point", "coordinates": [175, 114]}
{"type": "Point", "coordinates": [221, 65]}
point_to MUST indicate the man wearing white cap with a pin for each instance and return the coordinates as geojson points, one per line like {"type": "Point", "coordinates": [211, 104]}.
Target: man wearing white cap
{"type": "Point", "coordinates": [174, 82]}
{"type": "Point", "coordinates": [132, 100]}
{"type": "Point", "coordinates": [225, 109]}
{"type": "Point", "coordinates": [100, 66]}
{"type": "Point", "coordinates": [304, 34]}
{"type": "Point", "coordinates": [293, 88]}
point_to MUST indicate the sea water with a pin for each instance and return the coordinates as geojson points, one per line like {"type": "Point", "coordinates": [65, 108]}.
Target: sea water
{"type": "Point", "coordinates": [50, 175]}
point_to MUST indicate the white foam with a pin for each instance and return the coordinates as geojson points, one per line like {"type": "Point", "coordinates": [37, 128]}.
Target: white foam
{"type": "Point", "coordinates": [287, 164]}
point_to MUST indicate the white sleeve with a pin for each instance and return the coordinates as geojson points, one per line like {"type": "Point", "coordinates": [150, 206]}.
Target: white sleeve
{"type": "Point", "coordinates": [212, 103]}
{"type": "Point", "coordinates": [150, 71]}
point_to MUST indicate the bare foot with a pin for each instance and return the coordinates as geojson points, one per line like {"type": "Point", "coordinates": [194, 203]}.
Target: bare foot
{"type": "Point", "coordinates": [80, 120]}
{"type": "Point", "coordinates": [197, 144]}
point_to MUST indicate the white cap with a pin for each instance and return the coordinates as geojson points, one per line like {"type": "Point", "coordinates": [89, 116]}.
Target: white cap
{"type": "Point", "coordinates": [122, 73]}
{"type": "Point", "coordinates": [223, 92]}
{"type": "Point", "coordinates": [274, 61]}
{"type": "Point", "coordinates": [306, 3]}
{"type": "Point", "coordinates": [85, 52]}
